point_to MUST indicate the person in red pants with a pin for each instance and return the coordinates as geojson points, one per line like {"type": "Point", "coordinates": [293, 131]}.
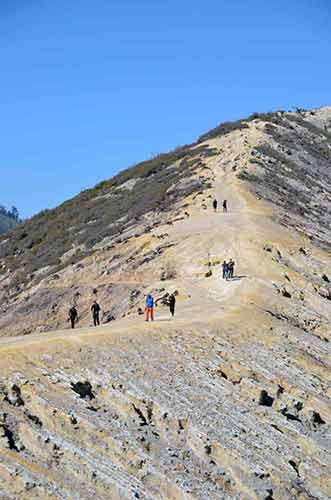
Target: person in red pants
{"type": "Point", "coordinates": [149, 307]}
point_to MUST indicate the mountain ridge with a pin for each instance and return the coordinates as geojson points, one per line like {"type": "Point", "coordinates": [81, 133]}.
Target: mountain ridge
{"type": "Point", "coordinates": [138, 200]}
{"type": "Point", "coordinates": [230, 399]}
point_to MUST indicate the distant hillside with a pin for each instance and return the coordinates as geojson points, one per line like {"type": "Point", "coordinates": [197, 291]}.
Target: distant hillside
{"type": "Point", "coordinates": [105, 211]}
{"type": "Point", "coordinates": [8, 218]}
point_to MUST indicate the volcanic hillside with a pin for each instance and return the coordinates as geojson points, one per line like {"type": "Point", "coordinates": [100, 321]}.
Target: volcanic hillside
{"type": "Point", "coordinates": [232, 397]}
{"type": "Point", "coordinates": [113, 241]}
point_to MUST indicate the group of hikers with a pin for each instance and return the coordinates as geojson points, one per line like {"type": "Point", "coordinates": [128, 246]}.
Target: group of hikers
{"type": "Point", "coordinates": [228, 272]}
{"type": "Point", "coordinates": [73, 314]}
{"type": "Point", "coordinates": [224, 205]}
{"type": "Point", "coordinates": [149, 309]}
{"type": "Point", "coordinates": [228, 269]}
{"type": "Point", "coordinates": [95, 310]}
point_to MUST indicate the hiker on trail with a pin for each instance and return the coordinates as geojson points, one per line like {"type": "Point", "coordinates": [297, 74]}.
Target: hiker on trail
{"type": "Point", "coordinates": [172, 304]}
{"type": "Point", "coordinates": [225, 268]}
{"type": "Point", "coordinates": [231, 268]}
{"type": "Point", "coordinates": [215, 205]}
{"type": "Point", "coordinates": [73, 316]}
{"type": "Point", "coordinates": [225, 206]}
{"type": "Point", "coordinates": [95, 313]}
{"type": "Point", "coordinates": [149, 307]}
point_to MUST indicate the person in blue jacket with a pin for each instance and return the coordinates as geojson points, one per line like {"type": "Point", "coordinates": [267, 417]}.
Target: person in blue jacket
{"type": "Point", "coordinates": [149, 307]}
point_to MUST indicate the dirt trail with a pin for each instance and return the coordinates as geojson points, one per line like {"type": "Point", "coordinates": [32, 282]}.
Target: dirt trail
{"type": "Point", "coordinates": [217, 234]}
{"type": "Point", "coordinates": [203, 235]}
{"type": "Point", "coordinates": [226, 235]}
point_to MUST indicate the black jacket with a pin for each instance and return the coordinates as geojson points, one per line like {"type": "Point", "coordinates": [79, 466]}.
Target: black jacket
{"type": "Point", "coordinates": [95, 309]}
{"type": "Point", "coordinates": [73, 314]}
{"type": "Point", "coordinates": [172, 301]}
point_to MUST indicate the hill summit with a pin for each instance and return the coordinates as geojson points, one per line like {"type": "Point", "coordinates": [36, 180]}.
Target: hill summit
{"type": "Point", "coordinates": [231, 398]}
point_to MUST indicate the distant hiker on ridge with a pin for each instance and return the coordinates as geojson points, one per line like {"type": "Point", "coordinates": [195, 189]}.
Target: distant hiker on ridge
{"type": "Point", "coordinates": [215, 205]}
{"type": "Point", "coordinates": [95, 313]}
{"type": "Point", "coordinates": [73, 316]}
{"type": "Point", "coordinates": [172, 304]}
{"type": "Point", "coordinates": [225, 206]}
{"type": "Point", "coordinates": [231, 268]}
{"type": "Point", "coordinates": [149, 307]}
{"type": "Point", "coordinates": [225, 268]}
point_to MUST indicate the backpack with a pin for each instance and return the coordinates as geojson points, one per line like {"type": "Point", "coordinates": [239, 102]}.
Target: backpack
{"type": "Point", "coordinates": [149, 301]}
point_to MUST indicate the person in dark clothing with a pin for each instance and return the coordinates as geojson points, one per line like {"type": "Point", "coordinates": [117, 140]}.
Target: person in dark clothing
{"type": "Point", "coordinates": [172, 304]}
{"type": "Point", "coordinates": [225, 268]}
{"type": "Point", "coordinates": [73, 316]}
{"type": "Point", "coordinates": [225, 206]}
{"type": "Point", "coordinates": [215, 205]}
{"type": "Point", "coordinates": [95, 313]}
{"type": "Point", "coordinates": [231, 268]}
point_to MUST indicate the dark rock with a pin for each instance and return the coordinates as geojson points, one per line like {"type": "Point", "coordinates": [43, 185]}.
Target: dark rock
{"type": "Point", "coordinates": [294, 465]}
{"type": "Point", "coordinates": [286, 293]}
{"type": "Point", "coordinates": [298, 405]}
{"type": "Point", "coordinates": [269, 495]}
{"type": "Point", "coordinates": [83, 389]}
{"type": "Point", "coordinates": [280, 391]}
{"type": "Point", "coordinates": [324, 292]}
{"type": "Point", "coordinates": [142, 418]}
{"type": "Point", "coordinates": [290, 416]}
{"type": "Point", "coordinates": [10, 437]}
{"type": "Point", "coordinates": [36, 420]}
{"type": "Point", "coordinates": [265, 399]}
{"type": "Point", "coordinates": [14, 396]}
{"type": "Point", "coordinates": [109, 317]}
{"type": "Point", "coordinates": [317, 419]}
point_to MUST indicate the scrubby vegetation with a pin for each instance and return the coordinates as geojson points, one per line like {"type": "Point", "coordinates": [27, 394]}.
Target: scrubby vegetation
{"type": "Point", "coordinates": [8, 218]}
{"type": "Point", "coordinates": [111, 207]}
{"type": "Point", "coordinates": [100, 212]}
{"type": "Point", "coordinates": [227, 127]}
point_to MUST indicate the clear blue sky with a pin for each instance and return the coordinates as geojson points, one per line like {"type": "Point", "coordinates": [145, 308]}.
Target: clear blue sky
{"type": "Point", "coordinates": [91, 87]}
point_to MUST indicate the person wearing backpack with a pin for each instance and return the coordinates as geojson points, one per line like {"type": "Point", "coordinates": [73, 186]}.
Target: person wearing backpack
{"type": "Point", "coordinates": [149, 308]}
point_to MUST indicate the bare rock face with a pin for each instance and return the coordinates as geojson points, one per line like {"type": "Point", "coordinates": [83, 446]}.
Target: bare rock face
{"type": "Point", "coordinates": [231, 398]}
